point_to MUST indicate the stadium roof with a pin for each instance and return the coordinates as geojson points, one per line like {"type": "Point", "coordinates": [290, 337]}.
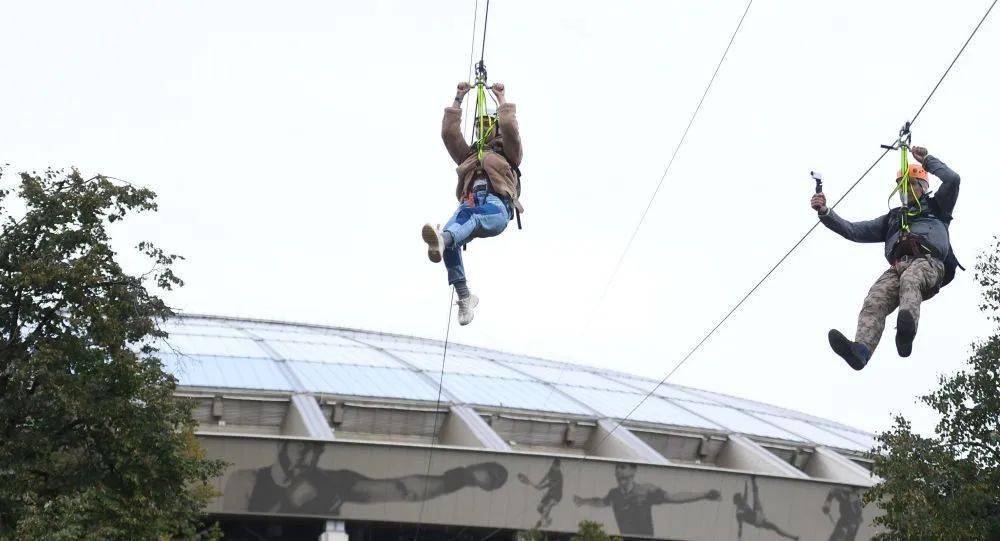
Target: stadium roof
{"type": "Point", "coordinates": [251, 355]}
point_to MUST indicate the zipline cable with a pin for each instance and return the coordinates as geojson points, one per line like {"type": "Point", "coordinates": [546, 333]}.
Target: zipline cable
{"type": "Point", "coordinates": [486, 20]}
{"type": "Point", "coordinates": [472, 53]}
{"type": "Point", "coordinates": [670, 162]}
{"type": "Point", "coordinates": [437, 411]}
{"type": "Point", "coordinates": [666, 170]}
{"type": "Point", "coordinates": [451, 301]}
{"type": "Point", "coordinates": [787, 254]}
{"type": "Point", "coordinates": [802, 239]}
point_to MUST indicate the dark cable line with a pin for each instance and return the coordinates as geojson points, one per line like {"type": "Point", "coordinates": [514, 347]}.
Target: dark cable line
{"type": "Point", "coordinates": [472, 53]}
{"type": "Point", "coordinates": [803, 238]}
{"type": "Point", "coordinates": [960, 51]}
{"type": "Point", "coordinates": [437, 412]}
{"type": "Point", "coordinates": [451, 301]}
{"type": "Point", "coordinates": [670, 162]}
{"type": "Point", "coordinates": [486, 20]}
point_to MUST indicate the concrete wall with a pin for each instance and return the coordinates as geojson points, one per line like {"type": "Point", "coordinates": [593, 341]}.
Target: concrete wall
{"type": "Point", "coordinates": [487, 488]}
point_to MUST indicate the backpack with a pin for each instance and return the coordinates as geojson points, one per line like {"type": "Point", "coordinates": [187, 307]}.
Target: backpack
{"type": "Point", "coordinates": [951, 263]}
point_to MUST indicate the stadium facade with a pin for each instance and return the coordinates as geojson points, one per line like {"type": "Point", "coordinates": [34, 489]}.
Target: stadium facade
{"type": "Point", "coordinates": [337, 434]}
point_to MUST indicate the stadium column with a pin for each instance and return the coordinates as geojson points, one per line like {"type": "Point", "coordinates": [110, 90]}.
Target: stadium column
{"type": "Point", "coordinates": [742, 453]}
{"type": "Point", "coordinates": [829, 464]}
{"type": "Point", "coordinates": [614, 441]}
{"type": "Point", "coordinates": [335, 531]}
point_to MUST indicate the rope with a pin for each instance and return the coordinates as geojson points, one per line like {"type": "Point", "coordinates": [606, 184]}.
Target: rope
{"type": "Point", "coordinates": [486, 20]}
{"type": "Point", "coordinates": [472, 52]}
{"type": "Point", "coordinates": [642, 217]}
{"type": "Point", "coordinates": [666, 170]}
{"type": "Point", "coordinates": [800, 241]}
{"type": "Point", "coordinates": [437, 411]}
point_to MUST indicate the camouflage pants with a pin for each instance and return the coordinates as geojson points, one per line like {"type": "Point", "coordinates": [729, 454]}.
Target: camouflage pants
{"type": "Point", "coordinates": [905, 285]}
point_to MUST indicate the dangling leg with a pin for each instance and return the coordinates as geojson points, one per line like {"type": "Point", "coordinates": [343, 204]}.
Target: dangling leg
{"type": "Point", "coordinates": [768, 525]}
{"type": "Point", "coordinates": [487, 219]}
{"type": "Point", "coordinates": [915, 283]}
{"type": "Point", "coordinates": [882, 299]}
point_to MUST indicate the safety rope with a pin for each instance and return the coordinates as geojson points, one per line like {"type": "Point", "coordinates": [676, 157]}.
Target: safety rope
{"type": "Point", "coordinates": [666, 170]}
{"type": "Point", "coordinates": [480, 105]}
{"type": "Point", "coordinates": [903, 185]}
{"type": "Point", "coordinates": [437, 411]}
{"type": "Point", "coordinates": [472, 51]}
{"type": "Point", "coordinates": [486, 122]}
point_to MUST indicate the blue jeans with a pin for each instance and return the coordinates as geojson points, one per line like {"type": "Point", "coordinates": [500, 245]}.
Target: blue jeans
{"type": "Point", "coordinates": [488, 218]}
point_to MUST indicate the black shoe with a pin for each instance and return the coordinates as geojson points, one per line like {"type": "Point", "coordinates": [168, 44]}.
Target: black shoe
{"type": "Point", "coordinates": [855, 354]}
{"type": "Point", "coordinates": [906, 330]}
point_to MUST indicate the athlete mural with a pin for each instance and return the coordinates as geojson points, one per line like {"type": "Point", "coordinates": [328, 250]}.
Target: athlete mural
{"type": "Point", "coordinates": [753, 514]}
{"type": "Point", "coordinates": [552, 484]}
{"type": "Point", "coordinates": [271, 478]}
{"type": "Point", "coordinates": [850, 507]}
{"type": "Point", "coordinates": [632, 503]}
{"type": "Point", "coordinates": [294, 484]}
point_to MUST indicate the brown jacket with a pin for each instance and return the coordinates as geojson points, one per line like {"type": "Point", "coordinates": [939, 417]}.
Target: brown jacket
{"type": "Point", "coordinates": [503, 180]}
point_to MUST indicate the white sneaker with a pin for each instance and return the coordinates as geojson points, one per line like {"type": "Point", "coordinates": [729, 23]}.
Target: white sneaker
{"type": "Point", "coordinates": [435, 242]}
{"type": "Point", "coordinates": [467, 309]}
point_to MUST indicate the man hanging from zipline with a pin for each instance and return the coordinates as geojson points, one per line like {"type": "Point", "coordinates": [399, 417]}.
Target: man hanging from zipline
{"type": "Point", "coordinates": [488, 185]}
{"type": "Point", "coordinates": [917, 246]}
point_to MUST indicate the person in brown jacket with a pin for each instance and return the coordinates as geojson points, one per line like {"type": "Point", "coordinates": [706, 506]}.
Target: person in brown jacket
{"type": "Point", "coordinates": [487, 189]}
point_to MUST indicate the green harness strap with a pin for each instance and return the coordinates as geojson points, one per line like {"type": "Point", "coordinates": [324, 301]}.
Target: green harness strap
{"type": "Point", "coordinates": [902, 185]}
{"type": "Point", "coordinates": [486, 123]}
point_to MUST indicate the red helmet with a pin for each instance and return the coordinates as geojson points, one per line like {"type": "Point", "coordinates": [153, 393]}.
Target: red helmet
{"type": "Point", "coordinates": [916, 171]}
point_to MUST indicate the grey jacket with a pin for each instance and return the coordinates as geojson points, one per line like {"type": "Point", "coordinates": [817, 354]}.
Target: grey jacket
{"type": "Point", "coordinates": [931, 224]}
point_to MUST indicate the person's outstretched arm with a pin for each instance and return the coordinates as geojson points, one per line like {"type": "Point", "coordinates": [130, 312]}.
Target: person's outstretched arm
{"type": "Point", "coordinates": [947, 195]}
{"type": "Point", "coordinates": [591, 502]}
{"type": "Point", "coordinates": [866, 231]}
{"type": "Point", "coordinates": [661, 496]}
{"type": "Point", "coordinates": [424, 487]}
{"type": "Point", "coordinates": [508, 126]}
{"type": "Point", "coordinates": [451, 127]}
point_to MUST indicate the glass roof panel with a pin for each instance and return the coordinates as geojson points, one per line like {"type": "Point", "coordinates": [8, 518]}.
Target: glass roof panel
{"type": "Point", "coordinates": [211, 345]}
{"type": "Point", "coordinates": [290, 335]}
{"type": "Point", "coordinates": [654, 410]}
{"type": "Point", "coordinates": [737, 421]}
{"type": "Point", "coordinates": [178, 327]}
{"type": "Point", "coordinates": [354, 380]}
{"type": "Point", "coordinates": [576, 377]}
{"type": "Point", "coordinates": [225, 372]}
{"type": "Point", "coordinates": [519, 394]}
{"type": "Point", "coordinates": [813, 433]}
{"type": "Point", "coordinates": [331, 353]}
{"type": "Point", "coordinates": [456, 364]}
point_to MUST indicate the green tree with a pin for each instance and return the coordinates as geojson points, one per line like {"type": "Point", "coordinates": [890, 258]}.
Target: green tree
{"type": "Point", "coordinates": [948, 486]}
{"type": "Point", "coordinates": [94, 445]}
{"type": "Point", "coordinates": [592, 531]}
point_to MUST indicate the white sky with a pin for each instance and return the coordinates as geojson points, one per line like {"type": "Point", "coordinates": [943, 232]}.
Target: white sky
{"type": "Point", "coordinates": [296, 150]}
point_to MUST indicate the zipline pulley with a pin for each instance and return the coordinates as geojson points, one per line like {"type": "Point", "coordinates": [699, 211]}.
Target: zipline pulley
{"type": "Point", "coordinates": [903, 182]}
{"type": "Point", "coordinates": [905, 137]}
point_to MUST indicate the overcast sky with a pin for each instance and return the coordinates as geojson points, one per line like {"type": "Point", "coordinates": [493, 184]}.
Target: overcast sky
{"type": "Point", "coordinates": [296, 150]}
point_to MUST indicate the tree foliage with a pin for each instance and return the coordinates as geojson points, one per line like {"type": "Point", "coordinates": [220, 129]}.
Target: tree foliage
{"type": "Point", "coordinates": [94, 445]}
{"type": "Point", "coordinates": [948, 486]}
{"type": "Point", "coordinates": [592, 531]}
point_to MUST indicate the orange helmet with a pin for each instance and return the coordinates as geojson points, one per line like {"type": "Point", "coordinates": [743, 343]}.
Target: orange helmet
{"type": "Point", "coordinates": [917, 171]}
